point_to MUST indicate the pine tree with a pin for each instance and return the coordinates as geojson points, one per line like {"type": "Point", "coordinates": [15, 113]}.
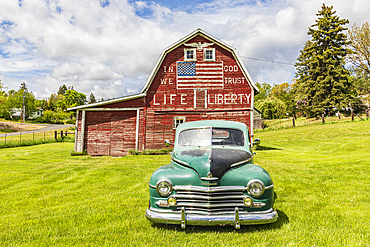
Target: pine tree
{"type": "Point", "coordinates": [321, 75]}
{"type": "Point", "coordinates": [62, 90]}
{"type": "Point", "coordinates": [92, 99]}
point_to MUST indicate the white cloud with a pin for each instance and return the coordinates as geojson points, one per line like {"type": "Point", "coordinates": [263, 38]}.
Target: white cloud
{"type": "Point", "coordinates": [110, 50]}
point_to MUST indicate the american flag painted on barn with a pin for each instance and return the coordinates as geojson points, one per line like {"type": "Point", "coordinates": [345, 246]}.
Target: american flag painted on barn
{"type": "Point", "coordinates": [206, 75]}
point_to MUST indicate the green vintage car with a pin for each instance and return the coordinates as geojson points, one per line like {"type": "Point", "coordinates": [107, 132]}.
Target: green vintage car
{"type": "Point", "coordinates": [211, 179]}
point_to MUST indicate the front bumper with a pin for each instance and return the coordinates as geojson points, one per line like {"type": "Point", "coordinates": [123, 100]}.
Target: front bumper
{"type": "Point", "coordinates": [235, 218]}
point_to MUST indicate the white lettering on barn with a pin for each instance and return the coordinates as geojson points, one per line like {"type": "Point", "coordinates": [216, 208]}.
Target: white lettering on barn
{"type": "Point", "coordinates": [231, 68]}
{"type": "Point", "coordinates": [234, 80]}
{"type": "Point", "coordinates": [212, 99]}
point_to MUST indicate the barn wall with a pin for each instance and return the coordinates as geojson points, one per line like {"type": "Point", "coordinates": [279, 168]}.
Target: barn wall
{"type": "Point", "coordinates": [110, 132]}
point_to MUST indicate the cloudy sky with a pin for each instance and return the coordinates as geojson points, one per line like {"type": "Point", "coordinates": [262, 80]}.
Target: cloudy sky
{"type": "Point", "coordinates": [109, 47]}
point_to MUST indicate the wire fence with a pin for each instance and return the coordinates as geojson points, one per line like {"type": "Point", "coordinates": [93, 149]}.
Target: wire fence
{"type": "Point", "coordinates": [34, 138]}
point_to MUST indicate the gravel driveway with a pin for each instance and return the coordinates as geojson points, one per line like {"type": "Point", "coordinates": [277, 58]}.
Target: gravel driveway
{"type": "Point", "coordinates": [41, 128]}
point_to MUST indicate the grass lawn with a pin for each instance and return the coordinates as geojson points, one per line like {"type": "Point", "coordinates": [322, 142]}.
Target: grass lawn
{"type": "Point", "coordinates": [321, 176]}
{"type": "Point", "coordinates": [32, 138]}
{"type": "Point", "coordinates": [275, 124]}
{"type": "Point", "coordinates": [7, 131]}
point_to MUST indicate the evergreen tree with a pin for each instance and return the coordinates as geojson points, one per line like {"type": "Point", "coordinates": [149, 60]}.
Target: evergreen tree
{"type": "Point", "coordinates": [92, 99]}
{"type": "Point", "coordinates": [321, 75]}
{"type": "Point", "coordinates": [62, 90]}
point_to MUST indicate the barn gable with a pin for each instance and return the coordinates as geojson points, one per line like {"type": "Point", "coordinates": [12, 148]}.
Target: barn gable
{"type": "Point", "coordinates": [197, 78]}
{"type": "Point", "coordinates": [200, 35]}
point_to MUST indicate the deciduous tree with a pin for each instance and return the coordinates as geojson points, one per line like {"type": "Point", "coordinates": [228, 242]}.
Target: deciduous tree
{"type": "Point", "coordinates": [360, 57]}
{"type": "Point", "coordinates": [15, 100]}
{"type": "Point", "coordinates": [71, 98]}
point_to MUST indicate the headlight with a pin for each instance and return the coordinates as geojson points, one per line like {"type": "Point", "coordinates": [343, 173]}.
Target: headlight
{"type": "Point", "coordinates": [164, 187]}
{"type": "Point", "coordinates": [255, 188]}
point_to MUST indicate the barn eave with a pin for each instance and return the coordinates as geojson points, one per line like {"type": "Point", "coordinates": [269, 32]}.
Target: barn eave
{"type": "Point", "coordinates": [108, 102]}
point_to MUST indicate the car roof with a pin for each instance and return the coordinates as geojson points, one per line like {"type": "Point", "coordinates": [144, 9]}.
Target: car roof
{"type": "Point", "coordinates": [213, 123]}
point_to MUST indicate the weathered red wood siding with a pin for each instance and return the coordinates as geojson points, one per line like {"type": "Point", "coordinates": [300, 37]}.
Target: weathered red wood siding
{"type": "Point", "coordinates": [110, 132]}
{"type": "Point", "coordinates": [166, 100]}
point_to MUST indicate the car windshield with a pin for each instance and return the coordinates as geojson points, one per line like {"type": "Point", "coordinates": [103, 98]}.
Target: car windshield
{"type": "Point", "coordinates": [211, 136]}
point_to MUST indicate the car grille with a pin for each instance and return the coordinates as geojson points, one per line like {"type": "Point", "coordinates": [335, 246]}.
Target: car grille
{"type": "Point", "coordinates": [209, 200]}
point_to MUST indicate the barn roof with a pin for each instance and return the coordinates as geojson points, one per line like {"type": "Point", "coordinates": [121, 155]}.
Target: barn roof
{"type": "Point", "coordinates": [170, 48]}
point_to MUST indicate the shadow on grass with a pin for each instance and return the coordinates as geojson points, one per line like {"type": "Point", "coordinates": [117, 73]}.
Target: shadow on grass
{"type": "Point", "coordinates": [259, 147]}
{"type": "Point", "coordinates": [282, 220]}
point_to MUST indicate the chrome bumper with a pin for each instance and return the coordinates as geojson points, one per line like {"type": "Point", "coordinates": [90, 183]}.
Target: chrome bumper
{"type": "Point", "coordinates": [235, 218]}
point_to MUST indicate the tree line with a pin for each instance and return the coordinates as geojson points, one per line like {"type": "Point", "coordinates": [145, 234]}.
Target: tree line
{"type": "Point", "coordinates": [53, 109]}
{"type": "Point", "coordinates": [332, 72]}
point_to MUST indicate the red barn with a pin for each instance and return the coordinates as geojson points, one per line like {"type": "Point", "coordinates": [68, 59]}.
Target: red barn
{"type": "Point", "coordinates": [197, 78]}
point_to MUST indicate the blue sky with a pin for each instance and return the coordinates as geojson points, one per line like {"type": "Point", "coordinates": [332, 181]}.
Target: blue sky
{"type": "Point", "coordinates": [109, 47]}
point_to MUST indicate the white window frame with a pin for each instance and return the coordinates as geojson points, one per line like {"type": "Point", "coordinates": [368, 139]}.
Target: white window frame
{"type": "Point", "coordinates": [213, 54]}
{"type": "Point", "coordinates": [175, 124]}
{"type": "Point", "coordinates": [194, 53]}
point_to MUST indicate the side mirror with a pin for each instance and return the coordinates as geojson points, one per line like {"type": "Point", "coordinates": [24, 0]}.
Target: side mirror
{"type": "Point", "coordinates": [256, 141]}
{"type": "Point", "coordinates": [167, 143]}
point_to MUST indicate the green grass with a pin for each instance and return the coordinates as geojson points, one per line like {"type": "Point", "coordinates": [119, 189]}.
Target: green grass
{"type": "Point", "coordinates": [37, 138]}
{"type": "Point", "coordinates": [7, 131]}
{"type": "Point", "coordinates": [285, 123]}
{"type": "Point", "coordinates": [321, 176]}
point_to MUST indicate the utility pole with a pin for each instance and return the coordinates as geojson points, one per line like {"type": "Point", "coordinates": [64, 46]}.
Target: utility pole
{"type": "Point", "coordinates": [23, 105]}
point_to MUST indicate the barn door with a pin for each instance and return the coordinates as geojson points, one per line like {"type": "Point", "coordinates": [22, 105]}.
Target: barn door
{"type": "Point", "coordinates": [98, 132]}
{"type": "Point", "coordinates": [123, 130]}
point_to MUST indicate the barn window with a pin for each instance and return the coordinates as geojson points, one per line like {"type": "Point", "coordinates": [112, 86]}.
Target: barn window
{"type": "Point", "coordinates": [190, 54]}
{"type": "Point", "coordinates": [177, 121]}
{"type": "Point", "coordinates": [209, 54]}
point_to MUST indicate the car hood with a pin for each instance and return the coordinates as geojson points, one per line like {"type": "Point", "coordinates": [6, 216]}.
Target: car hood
{"type": "Point", "coordinates": [214, 160]}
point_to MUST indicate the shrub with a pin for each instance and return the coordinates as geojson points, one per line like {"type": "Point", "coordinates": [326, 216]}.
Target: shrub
{"type": "Point", "coordinates": [5, 114]}
{"type": "Point", "coordinates": [71, 121]}
{"type": "Point", "coordinates": [150, 151]}
{"type": "Point", "coordinates": [75, 153]}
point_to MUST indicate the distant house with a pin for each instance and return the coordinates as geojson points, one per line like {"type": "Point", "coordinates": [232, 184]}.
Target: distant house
{"type": "Point", "coordinates": [16, 113]}
{"type": "Point", "coordinates": [38, 113]}
{"type": "Point", "coordinates": [365, 100]}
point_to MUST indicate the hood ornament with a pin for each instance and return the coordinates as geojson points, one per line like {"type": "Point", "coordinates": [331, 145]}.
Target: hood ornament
{"type": "Point", "coordinates": [209, 175]}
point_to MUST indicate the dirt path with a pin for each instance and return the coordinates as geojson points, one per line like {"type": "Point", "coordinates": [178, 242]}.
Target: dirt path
{"type": "Point", "coordinates": [19, 126]}
{"type": "Point", "coordinates": [30, 128]}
